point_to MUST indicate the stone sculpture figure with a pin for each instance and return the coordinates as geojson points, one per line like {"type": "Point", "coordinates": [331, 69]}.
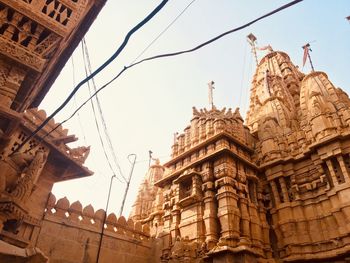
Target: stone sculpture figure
{"type": "Point", "coordinates": [20, 172]}
{"type": "Point", "coordinates": [27, 180]}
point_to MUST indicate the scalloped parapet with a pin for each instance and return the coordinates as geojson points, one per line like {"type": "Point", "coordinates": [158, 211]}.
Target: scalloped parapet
{"type": "Point", "coordinates": [75, 215]}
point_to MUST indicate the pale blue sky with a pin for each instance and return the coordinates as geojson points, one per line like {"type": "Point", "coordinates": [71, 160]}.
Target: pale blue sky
{"type": "Point", "coordinates": [153, 100]}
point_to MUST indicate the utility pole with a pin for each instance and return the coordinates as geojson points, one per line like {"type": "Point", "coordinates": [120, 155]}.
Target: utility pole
{"type": "Point", "coordinates": [132, 162]}
{"type": "Point", "coordinates": [149, 158]}
{"type": "Point", "coordinates": [104, 218]}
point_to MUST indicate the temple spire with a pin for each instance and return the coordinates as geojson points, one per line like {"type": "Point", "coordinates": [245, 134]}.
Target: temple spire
{"type": "Point", "coordinates": [210, 93]}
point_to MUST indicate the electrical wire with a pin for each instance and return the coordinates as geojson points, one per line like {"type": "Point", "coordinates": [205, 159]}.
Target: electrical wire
{"type": "Point", "coordinates": [170, 55]}
{"type": "Point", "coordinates": [75, 101]}
{"type": "Point", "coordinates": [95, 116]}
{"type": "Point", "coordinates": [96, 72]}
{"type": "Point", "coordinates": [183, 52]}
{"type": "Point", "coordinates": [87, 63]}
{"type": "Point", "coordinates": [163, 31]}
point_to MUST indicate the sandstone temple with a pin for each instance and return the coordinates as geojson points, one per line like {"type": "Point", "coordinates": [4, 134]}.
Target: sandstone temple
{"type": "Point", "coordinates": [275, 188]}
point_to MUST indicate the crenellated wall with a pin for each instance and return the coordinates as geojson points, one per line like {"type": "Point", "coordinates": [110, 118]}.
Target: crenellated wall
{"type": "Point", "coordinates": [76, 231]}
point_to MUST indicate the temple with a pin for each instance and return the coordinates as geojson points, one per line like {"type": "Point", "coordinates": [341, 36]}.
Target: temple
{"type": "Point", "coordinates": [275, 188]}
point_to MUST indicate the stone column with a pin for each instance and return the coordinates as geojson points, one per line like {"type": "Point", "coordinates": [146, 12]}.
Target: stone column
{"type": "Point", "coordinates": [181, 143]}
{"type": "Point", "coordinates": [245, 220]}
{"type": "Point", "coordinates": [331, 171]}
{"type": "Point", "coordinates": [174, 228]}
{"type": "Point", "coordinates": [187, 138]}
{"type": "Point", "coordinates": [228, 212]}
{"type": "Point", "coordinates": [209, 127]}
{"type": "Point", "coordinates": [194, 131]}
{"type": "Point", "coordinates": [284, 189]}
{"type": "Point", "coordinates": [265, 228]}
{"type": "Point", "coordinates": [275, 192]}
{"type": "Point", "coordinates": [202, 130]}
{"type": "Point", "coordinates": [210, 215]}
{"type": "Point", "coordinates": [343, 168]}
{"type": "Point", "coordinates": [255, 226]}
{"type": "Point", "coordinates": [11, 83]}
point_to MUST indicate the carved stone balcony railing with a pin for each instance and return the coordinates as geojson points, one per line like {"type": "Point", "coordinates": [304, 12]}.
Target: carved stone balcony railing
{"type": "Point", "coordinates": [57, 15]}
{"type": "Point", "coordinates": [30, 30]}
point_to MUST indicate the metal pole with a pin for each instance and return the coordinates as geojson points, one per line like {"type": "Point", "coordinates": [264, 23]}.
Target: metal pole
{"type": "Point", "coordinates": [252, 40]}
{"type": "Point", "coordinates": [104, 219]}
{"type": "Point", "coordinates": [128, 182]}
{"type": "Point", "coordinates": [150, 158]}
{"type": "Point", "coordinates": [308, 55]}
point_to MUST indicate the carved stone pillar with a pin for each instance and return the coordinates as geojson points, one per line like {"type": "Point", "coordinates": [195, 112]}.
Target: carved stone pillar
{"type": "Point", "coordinates": [181, 143]}
{"type": "Point", "coordinates": [332, 173]}
{"type": "Point", "coordinates": [9, 89]}
{"type": "Point", "coordinates": [194, 131]}
{"type": "Point", "coordinates": [187, 137]}
{"type": "Point", "coordinates": [228, 212]}
{"type": "Point", "coordinates": [245, 222]}
{"type": "Point", "coordinates": [343, 168]}
{"type": "Point", "coordinates": [210, 215]}
{"type": "Point", "coordinates": [209, 127]}
{"type": "Point", "coordinates": [175, 148]}
{"type": "Point", "coordinates": [202, 130]}
{"type": "Point", "coordinates": [275, 192]}
{"type": "Point", "coordinates": [174, 229]}
{"type": "Point", "coordinates": [284, 189]}
{"type": "Point", "coordinates": [265, 228]}
{"type": "Point", "coordinates": [255, 226]}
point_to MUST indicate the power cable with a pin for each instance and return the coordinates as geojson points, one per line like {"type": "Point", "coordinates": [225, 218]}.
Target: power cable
{"type": "Point", "coordinates": [95, 118]}
{"type": "Point", "coordinates": [163, 31]}
{"type": "Point", "coordinates": [97, 71]}
{"type": "Point", "coordinates": [75, 101]}
{"type": "Point", "coordinates": [169, 55]}
{"type": "Point", "coordinates": [87, 63]}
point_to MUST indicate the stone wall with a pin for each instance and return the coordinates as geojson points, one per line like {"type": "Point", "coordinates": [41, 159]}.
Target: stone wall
{"type": "Point", "coordinates": [71, 233]}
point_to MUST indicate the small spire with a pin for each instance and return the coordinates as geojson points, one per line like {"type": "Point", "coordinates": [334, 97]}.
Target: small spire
{"type": "Point", "coordinates": [210, 93]}
{"type": "Point", "coordinates": [175, 137]}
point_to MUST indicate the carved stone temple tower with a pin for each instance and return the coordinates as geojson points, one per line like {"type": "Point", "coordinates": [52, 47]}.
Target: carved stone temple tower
{"type": "Point", "coordinates": [275, 190]}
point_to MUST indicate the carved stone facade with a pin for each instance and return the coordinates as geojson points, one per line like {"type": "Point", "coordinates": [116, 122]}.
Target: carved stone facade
{"type": "Point", "coordinates": [36, 39]}
{"type": "Point", "coordinates": [276, 190]}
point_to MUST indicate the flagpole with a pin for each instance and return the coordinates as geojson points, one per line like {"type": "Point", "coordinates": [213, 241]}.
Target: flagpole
{"type": "Point", "coordinates": [306, 49]}
{"type": "Point", "coordinates": [252, 40]}
{"type": "Point", "coordinates": [312, 66]}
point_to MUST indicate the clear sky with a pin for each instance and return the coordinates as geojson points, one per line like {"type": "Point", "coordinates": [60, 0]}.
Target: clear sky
{"type": "Point", "coordinates": [149, 103]}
